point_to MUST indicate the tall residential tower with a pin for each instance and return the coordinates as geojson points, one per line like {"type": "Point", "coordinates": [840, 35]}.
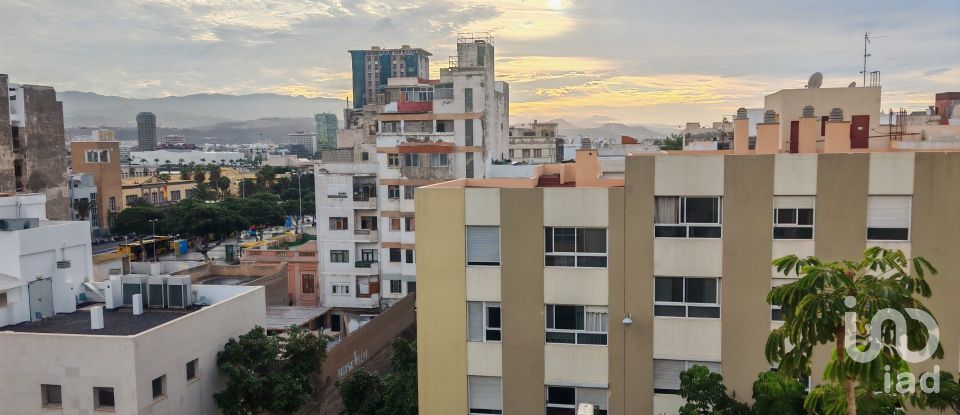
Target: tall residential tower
{"type": "Point", "coordinates": [146, 131]}
{"type": "Point", "coordinates": [372, 68]}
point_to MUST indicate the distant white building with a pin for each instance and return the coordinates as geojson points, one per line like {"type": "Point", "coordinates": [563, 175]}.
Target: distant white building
{"type": "Point", "coordinates": [83, 187]}
{"type": "Point", "coordinates": [65, 353]}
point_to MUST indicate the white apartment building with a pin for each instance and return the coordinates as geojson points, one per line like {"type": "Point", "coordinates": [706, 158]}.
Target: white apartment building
{"type": "Point", "coordinates": [536, 143]}
{"type": "Point", "coordinates": [83, 187]}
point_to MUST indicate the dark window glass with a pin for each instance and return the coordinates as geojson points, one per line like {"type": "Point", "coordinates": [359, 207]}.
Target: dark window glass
{"type": "Point", "coordinates": [409, 256]}
{"type": "Point", "coordinates": [703, 312]}
{"type": "Point", "coordinates": [560, 261]}
{"type": "Point", "coordinates": [157, 386]}
{"type": "Point", "coordinates": [669, 289]}
{"type": "Point", "coordinates": [564, 239]}
{"type": "Point", "coordinates": [394, 254]}
{"type": "Point", "coordinates": [566, 317]}
{"type": "Point", "coordinates": [787, 216]}
{"type": "Point", "coordinates": [792, 233]}
{"type": "Point", "coordinates": [561, 395]}
{"type": "Point", "coordinates": [776, 314]}
{"type": "Point", "coordinates": [804, 216]}
{"type": "Point", "coordinates": [592, 261]}
{"type": "Point", "coordinates": [704, 231]}
{"type": "Point", "coordinates": [670, 310]}
{"type": "Point", "coordinates": [547, 239]}
{"type": "Point", "coordinates": [592, 240]}
{"type": "Point", "coordinates": [670, 231]}
{"type": "Point", "coordinates": [887, 234]}
{"type": "Point", "coordinates": [191, 370]}
{"type": "Point", "coordinates": [105, 398]}
{"type": "Point", "coordinates": [493, 335]}
{"type": "Point", "coordinates": [701, 290]}
{"type": "Point", "coordinates": [493, 317]}
{"type": "Point", "coordinates": [591, 338]}
{"type": "Point", "coordinates": [702, 210]}
{"type": "Point", "coordinates": [554, 337]}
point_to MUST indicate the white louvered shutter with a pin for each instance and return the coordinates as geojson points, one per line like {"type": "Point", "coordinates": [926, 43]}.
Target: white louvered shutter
{"type": "Point", "coordinates": [483, 245]}
{"type": "Point", "coordinates": [475, 321]}
{"type": "Point", "coordinates": [485, 393]}
{"type": "Point", "coordinates": [595, 396]}
{"type": "Point", "coordinates": [888, 212]}
{"type": "Point", "coordinates": [712, 366]}
{"type": "Point", "coordinates": [666, 373]}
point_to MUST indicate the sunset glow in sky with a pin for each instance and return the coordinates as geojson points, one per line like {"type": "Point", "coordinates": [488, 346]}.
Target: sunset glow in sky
{"type": "Point", "coordinates": [586, 61]}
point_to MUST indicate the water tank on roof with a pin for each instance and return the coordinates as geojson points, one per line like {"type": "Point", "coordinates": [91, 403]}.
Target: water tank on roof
{"type": "Point", "coordinates": [769, 116]}
{"type": "Point", "coordinates": [808, 111]}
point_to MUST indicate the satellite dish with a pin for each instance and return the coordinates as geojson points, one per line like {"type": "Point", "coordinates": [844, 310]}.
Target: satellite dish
{"type": "Point", "coordinates": [815, 80]}
{"type": "Point", "coordinates": [852, 84]}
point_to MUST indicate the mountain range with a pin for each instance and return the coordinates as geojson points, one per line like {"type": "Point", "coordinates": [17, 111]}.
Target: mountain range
{"type": "Point", "coordinates": [223, 118]}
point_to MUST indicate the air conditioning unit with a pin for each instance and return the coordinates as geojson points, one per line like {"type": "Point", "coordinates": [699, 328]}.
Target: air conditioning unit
{"type": "Point", "coordinates": [63, 264]}
{"type": "Point", "coordinates": [156, 291]}
{"type": "Point", "coordinates": [19, 224]}
{"type": "Point", "coordinates": [178, 291]}
{"type": "Point", "coordinates": [131, 285]}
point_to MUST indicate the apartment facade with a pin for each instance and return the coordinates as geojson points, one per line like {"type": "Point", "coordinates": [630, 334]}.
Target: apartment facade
{"type": "Point", "coordinates": [536, 143]}
{"type": "Point", "coordinates": [100, 159]}
{"type": "Point", "coordinates": [525, 288]}
{"type": "Point", "coordinates": [156, 190]}
{"type": "Point", "coordinates": [146, 131]}
{"type": "Point", "coordinates": [32, 152]}
{"type": "Point", "coordinates": [373, 67]}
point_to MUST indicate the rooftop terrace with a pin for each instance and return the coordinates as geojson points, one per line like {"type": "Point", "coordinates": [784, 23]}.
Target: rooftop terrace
{"type": "Point", "coordinates": [119, 322]}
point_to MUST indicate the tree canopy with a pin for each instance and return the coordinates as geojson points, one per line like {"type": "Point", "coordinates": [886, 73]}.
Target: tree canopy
{"type": "Point", "coordinates": [136, 220]}
{"type": "Point", "coordinates": [369, 393]}
{"type": "Point", "coordinates": [207, 224]}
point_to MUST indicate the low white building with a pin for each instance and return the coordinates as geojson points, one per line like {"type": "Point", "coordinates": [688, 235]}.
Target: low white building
{"type": "Point", "coordinates": [64, 353]}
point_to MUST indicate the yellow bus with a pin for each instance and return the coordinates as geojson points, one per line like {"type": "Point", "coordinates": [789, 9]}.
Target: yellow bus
{"type": "Point", "coordinates": [155, 245]}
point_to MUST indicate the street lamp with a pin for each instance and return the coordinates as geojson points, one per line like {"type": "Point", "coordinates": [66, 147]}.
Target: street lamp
{"type": "Point", "coordinates": [153, 228]}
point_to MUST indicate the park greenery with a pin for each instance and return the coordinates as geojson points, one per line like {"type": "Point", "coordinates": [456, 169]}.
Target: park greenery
{"type": "Point", "coordinates": [212, 214]}
{"type": "Point", "coordinates": [269, 373]}
{"type": "Point", "coordinates": [814, 307]}
{"type": "Point", "coordinates": [366, 392]}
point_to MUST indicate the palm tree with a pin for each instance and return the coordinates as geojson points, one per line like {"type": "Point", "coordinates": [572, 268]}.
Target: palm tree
{"type": "Point", "coordinates": [82, 206]}
{"type": "Point", "coordinates": [169, 166]}
{"type": "Point", "coordinates": [814, 308]}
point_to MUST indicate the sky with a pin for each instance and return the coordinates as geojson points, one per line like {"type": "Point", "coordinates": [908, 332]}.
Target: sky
{"type": "Point", "coordinates": [589, 62]}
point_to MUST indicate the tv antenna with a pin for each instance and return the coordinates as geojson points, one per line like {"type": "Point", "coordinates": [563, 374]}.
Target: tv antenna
{"type": "Point", "coordinates": [866, 41]}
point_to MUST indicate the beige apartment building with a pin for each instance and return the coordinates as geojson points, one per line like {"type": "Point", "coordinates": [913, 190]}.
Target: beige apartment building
{"type": "Point", "coordinates": [526, 285]}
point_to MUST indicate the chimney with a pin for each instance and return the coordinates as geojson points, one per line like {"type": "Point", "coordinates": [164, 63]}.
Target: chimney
{"type": "Point", "coordinates": [137, 304]}
{"type": "Point", "coordinates": [741, 132]}
{"type": "Point", "coordinates": [96, 318]}
{"type": "Point", "coordinates": [768, 134]}
{"type": "Point", "coordinates": [837, 137]}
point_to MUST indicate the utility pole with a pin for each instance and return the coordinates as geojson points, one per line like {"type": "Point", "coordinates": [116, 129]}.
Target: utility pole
{"type": "Point", "coordinates": [866, 41]}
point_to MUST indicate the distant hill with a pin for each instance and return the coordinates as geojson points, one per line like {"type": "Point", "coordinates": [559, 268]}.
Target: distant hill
{"type": "Point", "coordinates": [614, 130]}
{"type": "Point", "coordinates": [190, 111]}
{"type": "Point", "coordinates": [227, 132]}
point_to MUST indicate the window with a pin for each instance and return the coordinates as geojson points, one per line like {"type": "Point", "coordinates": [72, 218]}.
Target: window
{"type": "Point", "coordinates": [367, 286]}
{"type": "Point", "coordinates": [467, 99]}
{"type": "Point", "coordinates": [368, 223]}
{"type": "Point", "coordinates": [338, 224]}
{"type": "Point", "coordinates": [130, 199]}
{"type": "Point", "coordinates": [103, 398]}
{"type": "Point", "coordinates": [113, 202]}
{"type": "Point", "coordinates": [410, 224]}
{"type": "Point", "coordinates": [793, 217]}
{"type": "Point", "coordinates": [511, 153]}
{"type": "Point", "coordinates": [888, 218]}
{"type": "Point", "coordinates": [483, 321]}
{"type": "Point", "coordinates": [409, 256]}
{"type": "Point", "coordinates": [411, 159]}
{"type": "Point", "coordinates": [408, 192]}
{"type": "Point", "coordinates": [393, 192]}
{"type": "Point", "coordinates": [341, 289]}
{"type": "Point", "coordinates": [563, 400]}
{"type": "Point", "coordinates": [393, 160]}
{"type": "Point", "coordinates": [486, 396]}
{"type": "Point", "coordinates": [192, 369]}
{"type": "Point", "coordinates": [396, 286]}
{"type": "Point", "coordinates": [468, 132]}
{"type": "Point", "coordinates": [687, 217]}
{"type": "Point", "coordinates": [395, 255]}
{"type": "Point", "coordinates": [364, 156]}
{"type": "Point", "coordinates": [537, 153]}
{"type": "Point", "coordinates": [307, 283]}
{"type": "Point", "coordinates": [666, 373]}
{"type": "Point", "coordinates": [576, 324]}
{"type": "Point", "coordinates": [339, 255]}
{"type": "Point", "coordinates": [469, 165]}
{"type": "Point", "coordinates": [439, 160]}
{"type": "Point", "coordinates": [159, 386]}
{"type": "Point", "coordinates": [687, 297]}
{"type": "Point", "coordinates": [394, 224]}
{"type": "Point", "coordinates": [525, 153]}
{"type": "Point", "coordinates": [98, 156]}
{"type": "Point", "coordinates": [483, 245]}
{"type": "Point", "coordinates": [337, 191]}
{"type": "Point", "coordinates": [51, 395]}
{"type": "Point", "coordinates": [575, 247]}
{"type": "Point", "coordinates": [3, 299]}
{"type": "Point", "coordinates": [411, 287]}
{"type": "Point", "coordinates": [776, 314]}
{"type": "Point", "coordinates": [368, 255]}
{"type": "Point", "coordinates": [175, 195]}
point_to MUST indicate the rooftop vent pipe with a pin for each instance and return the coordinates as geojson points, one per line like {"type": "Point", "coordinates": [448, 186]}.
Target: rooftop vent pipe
{"type": "Point", "coordinates": [808, 111]}
{"type": "Point", "coordinates": [137, 304]}
{"type": "Point", "coordinates": [584, 143]}
{"type": "Point", "coordinates": [836, 114]}
{"type": "Point", "coordinates": [741, 113]}
{"type": "Point", "coordinates": [769, 116]}
{"type": "Point", "coordinates": [96, 318]}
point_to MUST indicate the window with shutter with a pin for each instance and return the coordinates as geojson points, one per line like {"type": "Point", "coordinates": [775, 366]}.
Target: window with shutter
{"type": "Point", "coordinates": [485, 395]}
{"type": "Point", "coordinates": [888, 218]}
{"type": "Point", "coordinates": [666, 373]}
{"type": "Point", "coordinates": [483, 321]}
{"type": "Point", "coordinates": [483, 245]}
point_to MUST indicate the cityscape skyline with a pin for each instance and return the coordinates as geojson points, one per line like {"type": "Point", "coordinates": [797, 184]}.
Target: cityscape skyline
{"type": "Point", "coordinates": [658, 63]}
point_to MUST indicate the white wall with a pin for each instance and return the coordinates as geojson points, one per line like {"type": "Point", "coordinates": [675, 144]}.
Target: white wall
{"type": "Point", "coordinates": [573, 363]}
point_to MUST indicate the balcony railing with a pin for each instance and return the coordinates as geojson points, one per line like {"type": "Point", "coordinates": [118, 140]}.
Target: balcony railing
{"type": "Point", "coordinates": [364, 264]}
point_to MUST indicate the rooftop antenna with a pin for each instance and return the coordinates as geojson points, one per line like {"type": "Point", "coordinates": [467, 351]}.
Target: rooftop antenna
{"type": "Point", "coordinates": [866, 41]}
{"type": "Point", "coordinates": [815, 80]}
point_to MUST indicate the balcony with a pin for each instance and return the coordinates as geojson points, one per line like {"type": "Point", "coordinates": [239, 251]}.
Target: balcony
{"type": "Point", "coordinates": [365, 235]}
{"type": "Point", "coordinates": [367, 267]}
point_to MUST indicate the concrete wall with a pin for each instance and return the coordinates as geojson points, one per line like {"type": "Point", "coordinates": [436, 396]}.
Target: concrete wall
{"type": "Point", "coordinates": [44, 153]}
{"type": "Point", "coordinates": [7, 183]}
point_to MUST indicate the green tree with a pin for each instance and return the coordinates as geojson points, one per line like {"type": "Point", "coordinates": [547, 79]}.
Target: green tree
{"type": "Point", "coordinates": [224, 185]}
{"type": "Point", "coordinates": [206, 224]}
{"type": "Point", "coordinates": [204, 192]}
{"type": "Point", "coordinates": [368, 393]}
{"type": "Point", "coordinates": [290, 194]}
{"type": "Point", "coordinates": [255, 211]}
{"type": "Point", "coordinates": [774, 393]}
{"type": "Point", "coordinates": [706, 394]}
{"type": "Point", "coordinates": [267, 373]}
{"type": "Point", "coordinates": [265, 176]}
{"type": "Point", "coordinates": [813, 308]}
{"type": "Point", "coordinates": [674, 142]}
{"type": "Point", "coordinates": [82, 206]}
{"type": "Point", "coordinates": [135, 220]}
{"type": "Point", "coordinates": [199, 176]}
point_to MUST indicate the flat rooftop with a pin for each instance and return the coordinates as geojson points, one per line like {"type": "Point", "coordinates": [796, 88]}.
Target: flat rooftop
{"type": "Point", "coordinates": [119, 322]}
{"type": "Point", "coordinates": [280, 318]}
